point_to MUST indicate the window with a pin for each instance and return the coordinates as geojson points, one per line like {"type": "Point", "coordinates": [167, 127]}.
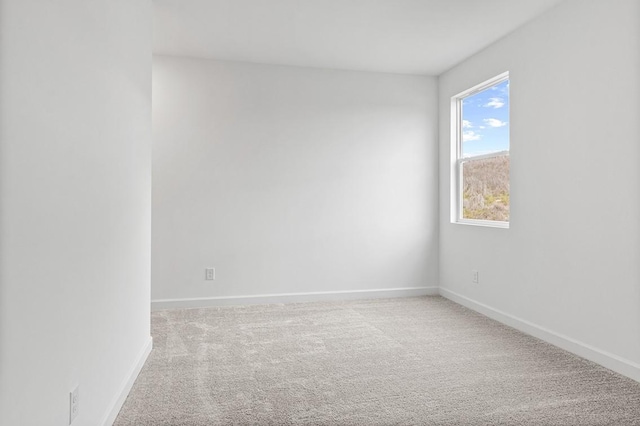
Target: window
{"type": "Point", "coordinates": [480, 154]}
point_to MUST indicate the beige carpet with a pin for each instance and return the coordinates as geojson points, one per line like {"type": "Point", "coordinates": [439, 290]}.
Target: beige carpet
{"type": "Point", "coordinates": [409, 361]}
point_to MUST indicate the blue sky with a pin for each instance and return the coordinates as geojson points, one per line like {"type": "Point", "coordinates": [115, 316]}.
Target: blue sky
{"type": "Point", "coordinates": [485, 121]}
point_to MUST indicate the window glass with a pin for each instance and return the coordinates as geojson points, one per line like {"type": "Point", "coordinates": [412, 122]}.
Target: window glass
{"type": "Point", "coordinates": [481, 149]}
{"type": "Point", "coordinates": [485, 121]}
{"type": "Point", "coordinates": [485, 188]}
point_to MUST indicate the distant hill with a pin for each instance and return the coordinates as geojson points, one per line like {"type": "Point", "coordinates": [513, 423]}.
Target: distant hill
{"type": "Point", "coordinates": [486, 189]}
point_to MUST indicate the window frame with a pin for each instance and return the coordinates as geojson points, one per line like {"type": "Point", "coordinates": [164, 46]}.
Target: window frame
{"type": "Point", "coordinates": [457, 160]}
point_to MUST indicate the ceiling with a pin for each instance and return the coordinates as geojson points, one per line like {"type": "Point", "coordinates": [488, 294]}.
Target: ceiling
{"type": "Point", "coordinates": [398, 36]}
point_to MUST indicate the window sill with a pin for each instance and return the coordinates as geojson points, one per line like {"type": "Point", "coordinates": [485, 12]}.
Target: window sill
{"type": "Point", "coordinates": [484, 223]}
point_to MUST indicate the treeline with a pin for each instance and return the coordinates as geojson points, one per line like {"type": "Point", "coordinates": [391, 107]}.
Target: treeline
{"type": "Point", "coordinates": [485, 186]}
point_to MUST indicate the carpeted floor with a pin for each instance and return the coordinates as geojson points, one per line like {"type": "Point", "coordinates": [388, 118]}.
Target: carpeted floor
{"type": "Point", "coordinates": [407, 361]}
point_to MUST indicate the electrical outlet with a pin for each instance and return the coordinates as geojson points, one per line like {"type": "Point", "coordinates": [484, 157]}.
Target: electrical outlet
{"type": "Point", "coordinates": [210, 274]}
{"type": "Point", "coordinates": [74, 401]}
{"type": "Point", "coordinates": [475, 276]}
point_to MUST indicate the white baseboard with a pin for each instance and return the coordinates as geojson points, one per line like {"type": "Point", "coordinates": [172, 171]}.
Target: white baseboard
{"type": "Point", "coordinates": [611, 361]}
{"type": "Point", "coordinates": [127, 384]}
{"type": "Point", "coordinates": [261, 299]}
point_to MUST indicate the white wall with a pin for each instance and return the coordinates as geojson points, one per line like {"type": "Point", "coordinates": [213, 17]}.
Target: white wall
{"type": "Point", "coordinates": [291, 180]}
{"type": "Point", "coordinates": [569, 264]}
{"type": "Point", "coordinates": [75, 186]}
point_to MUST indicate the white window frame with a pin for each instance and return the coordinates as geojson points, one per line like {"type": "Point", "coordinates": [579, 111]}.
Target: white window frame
{"type": "Point", "coordinates": [456, 155]}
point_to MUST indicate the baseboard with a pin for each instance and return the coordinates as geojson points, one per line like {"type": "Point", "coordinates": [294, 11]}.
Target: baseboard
{"type": "Point", "coordinates": [126, 385]}
{"type": "Point", "coordinates": [261, 299]}
{"type": "Point", "coordinates": [611, 361]}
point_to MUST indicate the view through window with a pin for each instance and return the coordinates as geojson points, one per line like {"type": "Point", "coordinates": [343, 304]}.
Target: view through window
{"type": "Point", "coordinates": [482, 146]}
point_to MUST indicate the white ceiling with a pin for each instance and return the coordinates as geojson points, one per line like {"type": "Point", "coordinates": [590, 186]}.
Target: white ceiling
{"type": "Point", "coordinates": [400, 36]}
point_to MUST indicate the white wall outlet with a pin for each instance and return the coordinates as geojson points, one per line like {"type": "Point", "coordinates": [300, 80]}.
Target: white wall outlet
{"type": "Point", "coordinates": [475, 276]}
{"type": "Point", "coordinates": [210, 274]}
{"type": "Point", "coordinates": [74, 401]}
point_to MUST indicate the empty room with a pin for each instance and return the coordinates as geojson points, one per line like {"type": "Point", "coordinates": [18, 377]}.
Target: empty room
{"type": "Point", "coordinates": [319, 212]}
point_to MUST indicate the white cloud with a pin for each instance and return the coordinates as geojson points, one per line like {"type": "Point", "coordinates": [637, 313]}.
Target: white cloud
{"type": "Point", "coordinates": [469, 136]}
{"type": "Point", "coordinates": [466, 124]}
{"type": "Point", "coordinates": [495, 103]}
{"type": "Point", "coordinates": [494, 122]}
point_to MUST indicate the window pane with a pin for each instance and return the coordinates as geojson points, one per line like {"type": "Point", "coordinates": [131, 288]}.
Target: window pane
{"type": "Point", "coordinates": [485, 189]}
{"type": "Point", "coordinates": [485, 121]}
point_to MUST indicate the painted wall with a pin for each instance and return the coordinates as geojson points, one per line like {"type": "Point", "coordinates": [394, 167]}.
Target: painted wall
{"type": "Point", "coordinates": [291, 180]}
{"type": "Point", "coordinates": [570, 261]}
{"type": "Point", "coordinates": [75, 186]}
